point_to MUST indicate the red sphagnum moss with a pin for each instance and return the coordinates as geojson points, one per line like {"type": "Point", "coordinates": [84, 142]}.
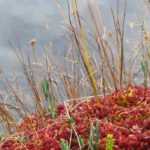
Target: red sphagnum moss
{"type": "Point", "coordinates": [125, 114]}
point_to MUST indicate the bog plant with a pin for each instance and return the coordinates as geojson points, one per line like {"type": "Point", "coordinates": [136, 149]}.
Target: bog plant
{"type": "Point", "coordinates": [98, 123]}
{"type": "Point", "coordinates": [94, 137]}
{"type": "Point", "coordinates": [110, 142]}
{"type": "Point", "coordinates": [117, 113]}
{"type": "Point", "coordinates": [64, 145]}
{"type": "Point", "coordinates": [49, 97]}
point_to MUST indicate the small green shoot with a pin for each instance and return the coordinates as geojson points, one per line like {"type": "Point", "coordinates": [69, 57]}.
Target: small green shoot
{"type": "Point", "coordinates": [94, 137]}
{"type": "Point", "coordinates": [71, 120]}
{"type": "Point", "coordinates": [144, 67]}
{"type": "Point", "coordinates": [49, 98]}
{"type": "Point", "coordinates": [81, 141]}
{"type": "Point", "coordinates": [110, 141]}
{"type": "Point", "coordinates": [45, 88]}
{"type": "Point", "coordinates": [64, 145]}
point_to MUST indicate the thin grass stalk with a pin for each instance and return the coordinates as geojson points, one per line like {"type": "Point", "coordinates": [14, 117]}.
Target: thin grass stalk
{"type": "Point", "coordinates": [119, 26]}
{"type": "Point", "coordinates": [7, 118]}
{"type": "Point", "coordinates": [70, 89]}
{"type": "Point", "coordinates": [71, 77]}
{"type": "Point", "coordinates": [28, 72]}
{"type": "Point", "coordinates": [51, 86]}
{"type": "Point", "coordinates": [11, 107]}
{"type": "Point", "coordinates": [82, 49]}
{"type": "Point", "coordinates": [18, 99]}
{"type": "Point", "coordinates": [102, 47]}
{"type": "Point", "coordinates": [32, 84]}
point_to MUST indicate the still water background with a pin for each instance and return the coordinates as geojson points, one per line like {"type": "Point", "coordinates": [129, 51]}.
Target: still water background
{"type": "Point", "coordinates": [22, 20]}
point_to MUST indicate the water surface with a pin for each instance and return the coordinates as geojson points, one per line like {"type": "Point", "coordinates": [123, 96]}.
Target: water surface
{"type": "Point", "coordinates": [22, 20]}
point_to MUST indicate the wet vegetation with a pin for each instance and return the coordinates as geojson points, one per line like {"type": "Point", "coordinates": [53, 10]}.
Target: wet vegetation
{"type": "Point", "coordinates": [115, 117]}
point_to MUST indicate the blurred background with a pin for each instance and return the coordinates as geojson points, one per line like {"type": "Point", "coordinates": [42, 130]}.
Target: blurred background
{"type": "Point", "coordinates": [24, 20]}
